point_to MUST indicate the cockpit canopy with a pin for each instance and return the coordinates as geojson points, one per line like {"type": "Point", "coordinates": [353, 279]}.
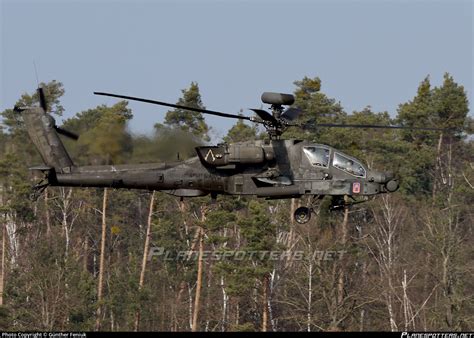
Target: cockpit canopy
{"type": "Point", "coordinates": [348, 165]}
{"type": "Point", "coordinates": [319, 156]}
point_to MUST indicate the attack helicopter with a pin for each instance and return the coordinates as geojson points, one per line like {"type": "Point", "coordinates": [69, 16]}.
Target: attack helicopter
{"type": "Point", "coordinates": [273, 168]}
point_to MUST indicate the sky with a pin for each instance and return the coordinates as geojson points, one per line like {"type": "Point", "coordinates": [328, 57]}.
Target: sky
{"type": "Point", "coordinates": [365, 52]}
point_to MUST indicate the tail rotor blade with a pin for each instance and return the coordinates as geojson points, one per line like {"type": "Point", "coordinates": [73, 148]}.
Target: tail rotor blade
{"type": "Point", "coordinates": [66, 133]}
{"type": "Point", "coordinates": [42, 99]}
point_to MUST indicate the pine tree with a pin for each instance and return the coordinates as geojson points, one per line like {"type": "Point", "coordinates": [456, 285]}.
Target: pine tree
{"type": "Point", "coordinates": [189, 121]}
{"type": "Point", "coordinates": [104, 138]}
{"type": "Point", "coordinates": [241, 132]}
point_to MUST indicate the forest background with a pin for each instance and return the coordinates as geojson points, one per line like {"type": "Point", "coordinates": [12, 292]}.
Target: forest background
{"type": "Point", "coordinates": [75, 259]}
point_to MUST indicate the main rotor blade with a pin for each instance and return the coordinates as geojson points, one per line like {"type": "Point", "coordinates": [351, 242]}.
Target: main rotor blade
{"type": "Point", "coordinates": [66, 133]}
{"type": "Point", "coordinates": [204, 111]}
{"type": "Point", "coordinates": [266, 116]}
{"type": "Point", "coordinates": [372, 126]}
{"type": "Point", "coordinates": [291, 114]}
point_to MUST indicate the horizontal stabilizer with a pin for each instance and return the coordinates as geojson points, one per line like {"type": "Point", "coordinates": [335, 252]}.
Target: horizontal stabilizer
{"type": "Point", "coordinates": [41, 168]}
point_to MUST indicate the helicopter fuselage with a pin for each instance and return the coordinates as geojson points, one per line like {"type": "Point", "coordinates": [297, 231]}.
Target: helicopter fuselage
{"type": "Point", "coordinates": [271, 169]}
{"type": "Point", "coordinates": [264, 168]}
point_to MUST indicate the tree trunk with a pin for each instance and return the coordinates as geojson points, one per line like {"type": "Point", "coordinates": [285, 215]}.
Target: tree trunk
{"type": "Point", "coordinates": [340, 283]}
{"type": "Point", "coordinates": [310, 291]}
{"type": "Point", "coordinates": [2, 276]}
{"type": "Point", "coordinates": [265, 304]}
{"type": "Point", "coordinates": [199, 279]}
{"type": "Point", "coordinates": [271, 285]}
{"type": "Point", "coordinates": [437, 166]}
{"type": "Point", "coordinates": [86, 252]}
{"type": "Point", "coordinates": [291, 235]}
{"type": "Point", "coordinates": [145, 255]}
{"type": "Point", "coordinates": [225, 299]}
{"type": "Point", "coordinates": [65, 206]}
{"type": "Point", "coordinates": [102, 260]}
{"type": "Point", "coordinates": [47, 214]}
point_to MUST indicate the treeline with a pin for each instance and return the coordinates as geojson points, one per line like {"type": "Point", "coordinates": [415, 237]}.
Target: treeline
{"type": "Point", "coordinates": [76, 259]}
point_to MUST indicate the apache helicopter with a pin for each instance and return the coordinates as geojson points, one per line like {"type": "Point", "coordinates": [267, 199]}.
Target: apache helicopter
{"type": "Point", "coordinates": [273, 168]}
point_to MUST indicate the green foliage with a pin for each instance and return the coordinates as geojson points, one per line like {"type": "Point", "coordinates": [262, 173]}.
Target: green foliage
{"type": "Point", "coordinates": [15, 138]}
{"type": "Point", "coordinates": [318, 108]}
{"type": "Point", "coordinates": [246, 327]}
{"type": "Point", "coordinates": [88, 119]}
{"type": "Point", "coordinates": [241, 132]}
{"type": "Point", "coordinates": [15, 187]}
{"type": "Point", "coordinates": [219, 219]}
{"type": "Point", "coordinates": [419, 112]}
{"type": "Point", "coordinates": [104, 138]}
{"type": "Point", "coordinates": [189, 121]}
{"type": "Point", "coordinates": [52, 91]}
{"type": "Point", "coordinates": [443, 107]}
{"type": "Point", "coordinates": [451, 105]}
{"type": "Point", "coordinates": [257, 228]}
{"type": "Point", "coordinates": [5, 320]}
{"type": "Point", "coordinates": [81, 314]}
{"type": "Point", "coordinates": [257, 233]}
{"type": "Point", "coordinates": [306, 89]}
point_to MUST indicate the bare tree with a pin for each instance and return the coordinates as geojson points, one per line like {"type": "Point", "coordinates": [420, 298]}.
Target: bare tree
{"type": "Point", "coordinates": [383, 248]}
{"type": "Point", "coordinates": [265, 303]}
{"type": "Point", "coordinates": [197, 297]}
{"type": "Point", "coordinates": [102, 262]}
{"type": "Point", "coordinates": [146, 248]}
{"type": "Point", "coordinates": [443, 234]}
{"type": "Point", "coordinates": [2, 276]}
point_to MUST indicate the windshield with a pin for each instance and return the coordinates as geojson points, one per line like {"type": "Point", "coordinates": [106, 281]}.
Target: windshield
{"type": "Point", "coordinates": [317, 156]}
{"type": "Point", "coordinates": [348, 165]}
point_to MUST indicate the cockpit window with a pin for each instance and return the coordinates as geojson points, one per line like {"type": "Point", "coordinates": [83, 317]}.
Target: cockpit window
{"type": "Point", "coordinates": [318, 156]}
{"type": "Point", "coordinates": [348, 165]}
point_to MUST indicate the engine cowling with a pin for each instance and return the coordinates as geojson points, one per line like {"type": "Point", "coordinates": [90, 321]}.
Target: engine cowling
{"type": "Point", "coordinates": [222, 155]}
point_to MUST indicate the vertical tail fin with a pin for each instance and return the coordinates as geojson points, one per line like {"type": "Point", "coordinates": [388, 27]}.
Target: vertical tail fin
{"type": "Point", "coordinates": [42, 130]}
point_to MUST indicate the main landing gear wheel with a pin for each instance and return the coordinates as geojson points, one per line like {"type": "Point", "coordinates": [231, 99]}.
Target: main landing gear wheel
{"type": "Point", "coordinates": [302, 215]}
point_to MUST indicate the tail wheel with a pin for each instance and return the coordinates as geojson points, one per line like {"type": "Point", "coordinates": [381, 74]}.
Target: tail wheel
{"type": "Point", "coordinates": [302, 215]}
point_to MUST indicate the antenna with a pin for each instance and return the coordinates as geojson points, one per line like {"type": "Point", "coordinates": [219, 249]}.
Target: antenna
{"type": "Point", "coordinates": [36, 74]}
